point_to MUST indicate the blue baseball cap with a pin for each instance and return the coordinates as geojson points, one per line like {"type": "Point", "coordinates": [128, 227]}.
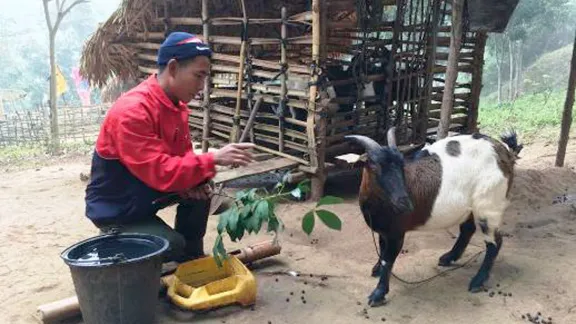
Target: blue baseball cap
{"type": "Point", "coordinates": [181, 46]}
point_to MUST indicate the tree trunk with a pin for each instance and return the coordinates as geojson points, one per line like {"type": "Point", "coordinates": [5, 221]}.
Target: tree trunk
{"type": "Point", "coordinates": [451, 70]}
{"type": "Point", "coordinates": [54, 132]}
{"type": "Point", "coordinates": [511, 75]}
{"type": "Point", "coordinates": [499, 67]}
{"type": "Point", "coordinates": [567, 115]}
{"type": "Point", "coordinates": [519, 68]}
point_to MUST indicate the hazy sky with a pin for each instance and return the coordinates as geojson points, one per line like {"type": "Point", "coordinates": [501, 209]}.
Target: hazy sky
{"type": "Point", "coordinates": [30, 13]}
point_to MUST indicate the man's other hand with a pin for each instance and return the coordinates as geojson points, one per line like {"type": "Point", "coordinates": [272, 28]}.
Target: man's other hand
{"type": "Point", "coordinates": [234, 154]}
{"type": "Point", "coordinates": [202, 192]}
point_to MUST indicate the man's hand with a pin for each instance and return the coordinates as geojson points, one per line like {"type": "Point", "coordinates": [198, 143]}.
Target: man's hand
{"type": "Point", "coordinates": [234, 154]}
{"type": "Point", "coordinates": [203, 192]}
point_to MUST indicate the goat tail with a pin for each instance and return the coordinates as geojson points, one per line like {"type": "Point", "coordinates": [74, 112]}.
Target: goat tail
{"type": "Point", "coordinates": [510, 138]}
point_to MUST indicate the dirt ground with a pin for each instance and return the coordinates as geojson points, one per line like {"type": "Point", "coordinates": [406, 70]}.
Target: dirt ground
{"type": "Point", "coordinates": [43, 213]}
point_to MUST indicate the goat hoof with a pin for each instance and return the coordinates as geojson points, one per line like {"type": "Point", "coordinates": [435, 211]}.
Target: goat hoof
{"type": "Point", "coordinates": [446, 260]}
{"type": "Point", "coordinates": [377, 270]}
{"type": "Point", "coordinates": [477, 283]}
{"type": "Point", "coordinates": [377, 298]}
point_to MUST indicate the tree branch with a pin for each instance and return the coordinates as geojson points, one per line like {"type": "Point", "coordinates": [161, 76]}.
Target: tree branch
{"type": "Point", "coordinates": [62, 14]}
{"type": "Point", "coordinates": [47, 15]}
{"type": "Point", "coordinates": [62, 5]}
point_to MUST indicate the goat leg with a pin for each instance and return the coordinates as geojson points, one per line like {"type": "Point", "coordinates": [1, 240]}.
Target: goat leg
{"type": "Point", "coordinates": [467, 230]}
{"type": "Point", "coordinates": [377, 269]}
{"type": "Point", "coordinates": [492, 249]}
{"type": "Point", "coordinates": [390, 246]}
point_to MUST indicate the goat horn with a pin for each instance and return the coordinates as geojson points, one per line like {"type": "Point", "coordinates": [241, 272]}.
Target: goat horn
{"type": "Point", "coordinates": [366, 142]}
{"type": "Point", "coordinates": [391, 136]}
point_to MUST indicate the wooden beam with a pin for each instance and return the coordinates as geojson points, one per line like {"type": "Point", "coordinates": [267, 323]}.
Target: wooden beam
{"type": "Point", "coordinates": [478, 66]}
{"type": "Point", "coordinates": [207, 82]}
{"type": "Point", "coordinates": [234, 136]}
{"type": "Point", "coordinates": [451, 68]}
{"type": "Point", "coordinates": [316, 150]}
{"type": "Point", "coordinates": [425, 106]}
{"type": "Point", "coordinates": [567, 114]}
{"type": "Point", "coordinates": [253, 169]}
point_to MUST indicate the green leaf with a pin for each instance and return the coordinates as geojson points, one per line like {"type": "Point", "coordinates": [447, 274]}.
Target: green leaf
{"type": "Point", "coordinates": [224, 217]}
{"type": "Point", "coordinates": [218, 251]}
{"type": "Point", "coordinates": [304, 186]}
{"type": "Point", "coordinates": [252, 194]}
{"type": "Point", "coordinates": [308, 222]}
{"type": "Point", "coordinates": [233, 221]}
{"type": "Point", "coordinates": [262, 210]}
{"type": "Point", "coordinates": [239, 231]}
{"type": "Point", "coordinates": [296, 193]}
{"type": "Point", "coordinates": [329, 200]}
{"type": "Point", "coordinates": [329, 219]}
{"type": "Point", "coordinates": [241, 194]}
{"type": "Point", "coordinates": [273, 224]}
{"type": "Point", "coordinates": [246, 210]}
{"type": "Point", "coordinates": [253, 224]}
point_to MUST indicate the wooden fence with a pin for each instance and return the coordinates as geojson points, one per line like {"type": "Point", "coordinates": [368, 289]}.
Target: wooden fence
{"type": "Point", "coordinates": [32, 127]}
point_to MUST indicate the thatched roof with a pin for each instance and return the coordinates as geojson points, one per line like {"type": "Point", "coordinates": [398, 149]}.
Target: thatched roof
{"type": "Point", "coordinates": [108, 52]}
{"type": "Point", "coordinates": [104, 55]}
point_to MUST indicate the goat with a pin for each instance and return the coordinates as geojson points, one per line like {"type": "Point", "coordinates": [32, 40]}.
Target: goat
{"type": "Point", "coordinates": [463, 179]}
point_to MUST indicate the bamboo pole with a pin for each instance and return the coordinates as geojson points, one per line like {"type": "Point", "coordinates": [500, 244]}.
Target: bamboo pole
{"type": "Point", "coordinates": [251, 119]}
{"type": "Point", "coordinates": [283, 79]}
{"type": "Point", "coordinates": [236, 128]}
{"type": "Point", "coordinates": [567, 114]}
{"type": "Point", "coordinates": [451, 69]}
{"type": "Point", "coordinates": [288, 156]}
{"type": "Point", "coordinates": [207, 82]}
{"type": "Point", "coordinates": [316, 150]}
{"type": "Point", "coordinates": [472, 123]}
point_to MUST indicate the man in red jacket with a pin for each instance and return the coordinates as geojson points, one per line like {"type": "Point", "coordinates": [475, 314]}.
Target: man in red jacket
{"type": "Point", "coordinates": [144, 152]}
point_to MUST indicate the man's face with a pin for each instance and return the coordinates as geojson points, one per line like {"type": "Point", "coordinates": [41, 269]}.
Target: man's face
{"type": "Point", "coordinates": [187, 80]}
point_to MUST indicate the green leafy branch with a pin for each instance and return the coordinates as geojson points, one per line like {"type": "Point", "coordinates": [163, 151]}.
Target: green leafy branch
{"type": "Point", "coordinates": [255, 206]}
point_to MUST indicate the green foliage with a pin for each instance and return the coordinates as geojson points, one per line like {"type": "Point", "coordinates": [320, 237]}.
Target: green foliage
{"type": "Point", "coordinates": [308, 222]}
{"type": "Point", "coordinates": [254, 207]}
{"type": "Point", "coordinates": [534, 116]}
{"type": "Point", "coordinates": [549, 72]}
{"type": "Point", "coordinates": [539, 27]}
{"type": "Point", "coordinates": [329, 219]}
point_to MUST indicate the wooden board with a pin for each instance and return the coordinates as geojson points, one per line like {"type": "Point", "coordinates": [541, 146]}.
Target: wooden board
{"type": "Point", "coordinates": [253, 169]}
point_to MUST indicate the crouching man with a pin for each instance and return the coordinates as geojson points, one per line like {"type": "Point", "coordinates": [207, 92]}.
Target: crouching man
{"type": "Point", "coordinates": [144, 152]}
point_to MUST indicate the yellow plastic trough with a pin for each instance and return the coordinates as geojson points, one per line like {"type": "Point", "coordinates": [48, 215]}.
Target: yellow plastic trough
{"type": "Point", "coordinates": [201, 285]}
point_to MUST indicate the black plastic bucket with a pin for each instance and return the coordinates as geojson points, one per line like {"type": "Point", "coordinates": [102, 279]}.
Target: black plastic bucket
{"type": "Point", "coordinates": [117, 277]}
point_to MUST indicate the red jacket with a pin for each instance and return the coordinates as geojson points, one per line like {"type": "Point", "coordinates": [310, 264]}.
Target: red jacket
{"type": "Point", "coordinates": [144, 141]}
{"type": "Point", "coordinates": [151, 137]}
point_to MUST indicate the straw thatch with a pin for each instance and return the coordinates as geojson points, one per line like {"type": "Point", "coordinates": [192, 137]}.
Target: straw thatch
{"type": "Point", "coordinates": [104, 55]}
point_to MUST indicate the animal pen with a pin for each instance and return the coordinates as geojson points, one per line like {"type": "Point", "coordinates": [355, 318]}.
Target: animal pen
{"type": "Point", "coordinates": [296, 77]}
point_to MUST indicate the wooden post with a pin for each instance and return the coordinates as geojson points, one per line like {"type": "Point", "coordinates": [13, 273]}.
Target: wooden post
{"type": "Point", "coordinates": [250, 123]}
{"type": "Point", "coordinates": [236, 122]}
{"type": "Point", "coordinates": [207, 82]}
{"type": "Point", "coordinates": [567, 115]}
{"type": "Point", "coordinates": [422, 128]}
{"type": "Point", "coordinates": [316, 150]}
{"type": "Point", "coordinates": [283, 78]}
{"type": "Point", "coordinates": [451, 69]}
{"type": "Point", "coordinates": [478, 68]}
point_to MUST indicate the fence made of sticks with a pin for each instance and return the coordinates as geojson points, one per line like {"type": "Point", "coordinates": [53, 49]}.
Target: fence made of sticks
{"type": "Point", "coordinates": [32, 127]}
